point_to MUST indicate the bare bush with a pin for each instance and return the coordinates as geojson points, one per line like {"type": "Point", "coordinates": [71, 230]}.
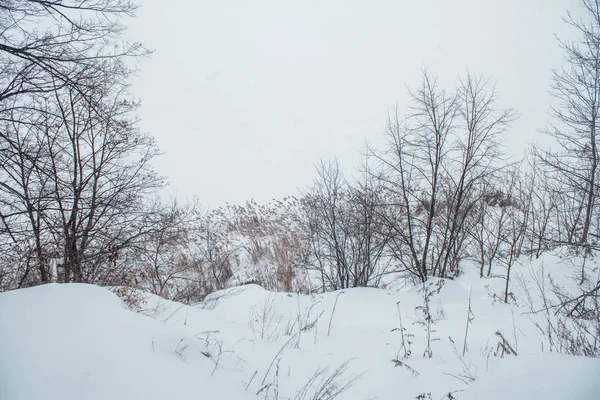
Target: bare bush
{"type": "Point", "coordinates": [347, 241]}
{"type": "Point", "coordinates": [569, 318]}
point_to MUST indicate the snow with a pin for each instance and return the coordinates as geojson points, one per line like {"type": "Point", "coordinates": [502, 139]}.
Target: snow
{"type": "Point", "coordinates": [541, 376]}
{"type": "Point", "coordinates": [79, 341]}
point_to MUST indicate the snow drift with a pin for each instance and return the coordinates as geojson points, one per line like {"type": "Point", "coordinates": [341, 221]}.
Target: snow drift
{"type": "Point", "coordinates": [79, 341]}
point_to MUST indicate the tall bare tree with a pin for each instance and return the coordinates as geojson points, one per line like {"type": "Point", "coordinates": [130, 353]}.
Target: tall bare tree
{"type": "Point", "coordinates": [475, 156]}
{"type": "Point", "coordinates": [412, 170]}
{"type": "Point", "coordinates": [66, 129]}
{"type": "Point", "coordinates": [80, 169]}
{"type": "Point", "coordinates": [572, 166]}
{"type": "Point", "coordinates": [436, 160]}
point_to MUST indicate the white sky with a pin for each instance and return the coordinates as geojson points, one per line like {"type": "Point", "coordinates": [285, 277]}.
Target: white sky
{"type": "Point", "coordinates": [244, 97]}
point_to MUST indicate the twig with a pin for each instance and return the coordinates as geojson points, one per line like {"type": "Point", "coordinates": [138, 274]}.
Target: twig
{"type": "Point", "coordinates": [251, 379]}
{"type": "Point", "coordinates": [332, 312]}
{"type": "Point", "coordinates": [398, 363]}
{"type": "Point", "coordinates": [470, 318]}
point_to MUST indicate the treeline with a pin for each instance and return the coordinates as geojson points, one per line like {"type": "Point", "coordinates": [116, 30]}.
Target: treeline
{"type": "Point", "coordinates": [80, 201]}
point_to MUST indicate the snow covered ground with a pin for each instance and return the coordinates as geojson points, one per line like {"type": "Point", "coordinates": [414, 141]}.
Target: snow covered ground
{"type": "Point", "coordinates": [80, 341]}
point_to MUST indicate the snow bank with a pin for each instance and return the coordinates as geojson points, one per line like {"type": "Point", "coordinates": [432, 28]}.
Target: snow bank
{"type": "Point", "coordinates": [79, 342]}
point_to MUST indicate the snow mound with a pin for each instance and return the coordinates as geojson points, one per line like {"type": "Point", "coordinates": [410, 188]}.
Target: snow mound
{"type": "Point", "coordinates": [79, 341]}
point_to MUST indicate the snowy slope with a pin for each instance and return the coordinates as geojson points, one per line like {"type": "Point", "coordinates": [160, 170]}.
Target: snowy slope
{"type": "Point", "coordinates": [78, 341]}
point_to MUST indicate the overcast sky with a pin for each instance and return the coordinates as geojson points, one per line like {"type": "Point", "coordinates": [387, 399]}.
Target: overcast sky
{"type": "Point", "coordinates": [244, 97]}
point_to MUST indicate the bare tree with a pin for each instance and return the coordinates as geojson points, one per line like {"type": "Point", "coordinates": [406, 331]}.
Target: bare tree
{"type": "Point", "coordinates": [102, 173]}
{"type": "Point", "coordinates": [412, 171]}
{"type": "Point", "coordinates": [433, 171]}
{"type": "Point", "coordinates": [370, 234]}
{"type": "Point", "coordinates": [571, 187]}
{"type": "Point", "coordinates": [573, 168]}
{"type": "Point", "coordinates": [518, 209]}
{"type": "Point", "coordinates": [80, 169]}
{"type": "Point", "coordinates": [328, 226]}
{"type": "Point", "coordinates": [347, 241]}
{"type": "Point", "coordinates": [74, 167]}
{"type": "Point", "coordinates": [477, 156]}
